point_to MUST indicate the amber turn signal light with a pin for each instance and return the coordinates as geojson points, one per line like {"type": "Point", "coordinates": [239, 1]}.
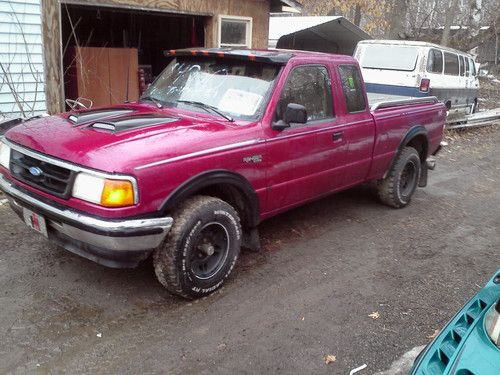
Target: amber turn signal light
{"type": "Point", "coordinates": [117, 193]}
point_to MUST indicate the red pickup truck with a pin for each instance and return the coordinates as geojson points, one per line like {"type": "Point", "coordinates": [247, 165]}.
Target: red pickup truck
{"type": "Point", "coordinates": [222, 140]}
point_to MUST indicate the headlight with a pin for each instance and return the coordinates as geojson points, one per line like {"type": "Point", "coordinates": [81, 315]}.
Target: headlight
{"type": "Point", "coordinates": [4, 155]}
{"type": "Point", "coordinates": [103, 191]}
{"type": "Point", "coordinates": [492, 323]}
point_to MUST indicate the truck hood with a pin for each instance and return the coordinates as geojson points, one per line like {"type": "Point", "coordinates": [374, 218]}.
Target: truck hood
{"type": "Point", "coordinates": [117, 139]}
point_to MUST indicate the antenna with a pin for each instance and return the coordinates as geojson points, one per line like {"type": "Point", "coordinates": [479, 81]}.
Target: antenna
{"type": "Point", "coordinates": [128, 77]}
{"type": "Point", "coordinates": [127, 81]}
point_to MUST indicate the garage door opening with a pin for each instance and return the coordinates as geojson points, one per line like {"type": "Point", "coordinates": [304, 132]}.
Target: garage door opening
{"type": "Point", "coordinates": [111, 54]}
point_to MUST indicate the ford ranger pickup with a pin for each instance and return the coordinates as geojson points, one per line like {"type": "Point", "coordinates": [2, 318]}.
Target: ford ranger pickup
{"type": "Point", "coordinates": [222, 140]}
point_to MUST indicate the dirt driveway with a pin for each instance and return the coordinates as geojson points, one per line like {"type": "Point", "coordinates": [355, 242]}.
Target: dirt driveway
{"type": "Point", "coordinates": [326, 267]}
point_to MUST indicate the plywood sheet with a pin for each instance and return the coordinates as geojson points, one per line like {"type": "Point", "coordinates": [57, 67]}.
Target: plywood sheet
{"type": "Point", "coordinates": [123, 62]}
{"type": "Point", "coordinates": [92, 68]}
{"type": "Point", "coordinates": [101, 75]}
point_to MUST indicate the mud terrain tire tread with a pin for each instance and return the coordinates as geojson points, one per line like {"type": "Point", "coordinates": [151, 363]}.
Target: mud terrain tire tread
{"type": "Point", "coordinates": [167, 257]}
{"type": "Point", "coordinates": [387, 188]}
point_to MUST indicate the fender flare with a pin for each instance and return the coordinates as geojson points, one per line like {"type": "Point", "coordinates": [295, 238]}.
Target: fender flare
{"type": "Point", "coordinates": [214, 178]}
{"type": "Point", "coordinates": [410, 134]}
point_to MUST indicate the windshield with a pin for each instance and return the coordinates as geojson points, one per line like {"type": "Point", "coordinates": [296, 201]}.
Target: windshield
{"type": "Point", "coordinates": [235, 88]}
{"type": "Point", "coordinates": [387, 56]}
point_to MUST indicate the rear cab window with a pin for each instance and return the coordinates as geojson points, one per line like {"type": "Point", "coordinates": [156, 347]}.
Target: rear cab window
{"type": "Point", "coordinates": [352, 88]}
{"type": "Point", "coordinates": [435, 61]}
{"type": "Point", "coordinates": [309, 86]}
{"type": "Point", "coordinates": [451, 66]}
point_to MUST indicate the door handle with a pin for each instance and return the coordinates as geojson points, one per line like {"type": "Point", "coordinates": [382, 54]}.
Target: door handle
{"type": "Point", "coordinates": [337, 135]}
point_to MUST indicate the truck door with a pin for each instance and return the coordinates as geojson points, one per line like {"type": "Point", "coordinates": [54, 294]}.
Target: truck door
{"type": "Point", "coordinates": [358, 127]}
{"type": "Point", "coordinates": [296, 163]}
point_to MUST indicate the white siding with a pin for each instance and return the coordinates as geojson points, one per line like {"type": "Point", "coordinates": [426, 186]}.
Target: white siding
{"type": "Point", "coordinates": [21, 60]}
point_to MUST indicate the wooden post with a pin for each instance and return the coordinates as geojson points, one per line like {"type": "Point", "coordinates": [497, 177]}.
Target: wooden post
{"type": "Point", "coordinates": [51, 38]}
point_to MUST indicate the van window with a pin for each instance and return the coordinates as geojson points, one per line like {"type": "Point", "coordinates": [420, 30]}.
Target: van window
{"type": "Point", "coordinates": [451, 64]}
{"type": "Point", "coordinates": [435, 61]}
{"type": "Point", "coordinates": [462, 65]}
{"type": "Point", "coordinates": [387, 56]}
{"type": "Point", "coordinates": [472, 67]}
{"type": "Point", "coordinates": [353, 90]}
{"type": "Point", "coordinates": [467, 67]}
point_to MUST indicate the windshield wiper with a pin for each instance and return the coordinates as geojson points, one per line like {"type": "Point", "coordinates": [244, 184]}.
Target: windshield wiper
{"type": "Point", "coordinates": [155, 101]}
{"type": "Point", "coordinates": [207, 106]}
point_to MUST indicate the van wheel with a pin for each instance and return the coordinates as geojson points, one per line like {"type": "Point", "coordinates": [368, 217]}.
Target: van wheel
{"type": "Point", "coordinates": [397, 188]}
{"type": "Point", "coordinates": [201, 249]}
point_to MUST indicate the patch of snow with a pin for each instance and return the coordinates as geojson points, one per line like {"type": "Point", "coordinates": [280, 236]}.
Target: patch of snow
{"type": "Point", "coordinates": [402, 365]}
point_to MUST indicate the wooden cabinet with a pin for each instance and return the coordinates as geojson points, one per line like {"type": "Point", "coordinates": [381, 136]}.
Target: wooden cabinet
{"type": "Point", "coordinates": [100, 74]}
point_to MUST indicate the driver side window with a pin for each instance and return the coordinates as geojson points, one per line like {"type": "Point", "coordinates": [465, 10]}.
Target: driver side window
{"type": "Point", "coordinates": [308, 86]}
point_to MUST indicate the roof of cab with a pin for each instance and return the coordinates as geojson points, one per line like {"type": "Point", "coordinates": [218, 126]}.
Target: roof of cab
{"type": "Point", "coordinates": [275, 56]}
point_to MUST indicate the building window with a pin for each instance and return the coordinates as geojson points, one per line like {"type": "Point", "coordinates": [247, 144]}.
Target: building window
{"type": "Point", "coordinates": [235, 31]}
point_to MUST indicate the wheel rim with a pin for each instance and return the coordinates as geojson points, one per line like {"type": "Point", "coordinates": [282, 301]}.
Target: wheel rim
{"type": "Point", "coordinates": [407, 179]}
{"type": "Point", "coordinates": [210, 250]}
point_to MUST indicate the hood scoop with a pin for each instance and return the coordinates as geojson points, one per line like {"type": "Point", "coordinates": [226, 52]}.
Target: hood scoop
{"type": "Point", "coordinates": [132, 122]}
{"type": "Point", "coordinates": [78, 118]}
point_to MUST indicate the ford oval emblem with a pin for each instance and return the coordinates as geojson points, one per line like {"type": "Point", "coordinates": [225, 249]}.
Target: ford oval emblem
{"type": "Point", "coordinates": [35, 171]}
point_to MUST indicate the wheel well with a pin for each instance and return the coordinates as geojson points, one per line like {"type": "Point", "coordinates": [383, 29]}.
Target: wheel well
{"type": "Point", "coordinates": [228, 186]}
{"type": "Point", "coordinates": [419, 143]}
{"type": "Point", "coordinates": [235, 197]}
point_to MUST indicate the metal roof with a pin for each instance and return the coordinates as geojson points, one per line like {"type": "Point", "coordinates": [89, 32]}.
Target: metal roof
{"type": "Point", "coordinates": [332, 34]}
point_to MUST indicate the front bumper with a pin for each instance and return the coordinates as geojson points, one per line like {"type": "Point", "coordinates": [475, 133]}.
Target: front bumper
{"type": "Point", "coordinates": [113, 243]}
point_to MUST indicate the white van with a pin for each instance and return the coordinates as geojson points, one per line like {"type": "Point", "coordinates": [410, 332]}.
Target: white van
{"type": "Point", "coordinates": [416, 69]}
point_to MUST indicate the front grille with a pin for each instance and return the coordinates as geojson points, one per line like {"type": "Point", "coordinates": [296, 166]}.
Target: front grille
{"type": "Point", "coordinates": [47, 177]}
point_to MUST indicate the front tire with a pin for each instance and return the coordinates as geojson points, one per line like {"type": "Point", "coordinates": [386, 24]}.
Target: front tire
{"type": "Point", "coordinates": [398, 187]}
{"type": "Point", "coordinates": [201, 249]}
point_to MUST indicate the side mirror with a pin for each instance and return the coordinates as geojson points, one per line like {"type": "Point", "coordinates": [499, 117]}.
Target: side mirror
{"type": "Point", "coordinates": [294, 114]}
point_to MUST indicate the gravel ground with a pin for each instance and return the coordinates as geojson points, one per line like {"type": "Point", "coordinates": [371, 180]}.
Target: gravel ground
{"type": "Point", "coordinates": [489, 93]}
{"type": "Point", "coordinates": [326, 268]}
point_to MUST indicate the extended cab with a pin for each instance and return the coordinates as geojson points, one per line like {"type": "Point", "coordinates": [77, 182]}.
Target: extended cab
{"type": "Point", "coordinates": [222, 140]}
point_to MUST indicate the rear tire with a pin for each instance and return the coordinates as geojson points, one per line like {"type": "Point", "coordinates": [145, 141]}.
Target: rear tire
{"type": "Point", "coordinates": [201, 249]}
{"type": "Point", "coordinates": [398, 187]}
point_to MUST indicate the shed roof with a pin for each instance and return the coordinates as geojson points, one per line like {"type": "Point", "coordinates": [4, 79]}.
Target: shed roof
{"type": "Point", "coordinates": [333, 34]}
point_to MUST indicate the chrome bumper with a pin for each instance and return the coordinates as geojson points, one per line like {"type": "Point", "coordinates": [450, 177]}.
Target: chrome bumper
{"type": "Point", "coordinates": [91, 237]}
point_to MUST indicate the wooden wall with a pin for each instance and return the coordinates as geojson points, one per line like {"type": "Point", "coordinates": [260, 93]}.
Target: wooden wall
{"type": "Point", "coordinates": [257, 9]}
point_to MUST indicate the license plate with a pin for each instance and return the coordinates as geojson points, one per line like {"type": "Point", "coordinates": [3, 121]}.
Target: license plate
{"type": "Point", "coordinates": [35, 221]}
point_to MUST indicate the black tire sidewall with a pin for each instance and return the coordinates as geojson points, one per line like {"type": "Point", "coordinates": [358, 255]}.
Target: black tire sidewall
{"type": "Point", "coordinates": [214, 212]}
{"type": "Point", "coordinates": [410, 157]}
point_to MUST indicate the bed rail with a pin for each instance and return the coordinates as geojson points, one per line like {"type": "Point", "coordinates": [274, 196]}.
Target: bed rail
{"type": "Point", "coordinates": [400, 102]}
